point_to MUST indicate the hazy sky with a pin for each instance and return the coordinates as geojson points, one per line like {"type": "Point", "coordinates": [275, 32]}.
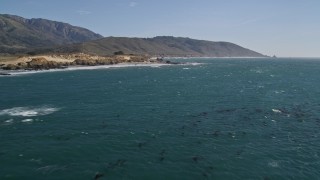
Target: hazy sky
{"type": "Point", "coordinates": [280, 27]}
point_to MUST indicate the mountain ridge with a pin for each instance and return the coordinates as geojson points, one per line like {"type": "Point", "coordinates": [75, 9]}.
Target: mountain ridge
{"type": "Point", "coordinates": [160, 46]}
{"type": "Point", "coordinates": [18, 33]}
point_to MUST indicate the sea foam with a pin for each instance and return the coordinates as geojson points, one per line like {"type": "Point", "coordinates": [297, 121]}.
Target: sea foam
{"type": "Point", "coordinates": [29, 111]}
{"type": "Point", "coordinates": [76, 68]}
{"type": "Point", "coordinates": [27, 120]}
{"type": "Point", "coordinates": [276, 111]}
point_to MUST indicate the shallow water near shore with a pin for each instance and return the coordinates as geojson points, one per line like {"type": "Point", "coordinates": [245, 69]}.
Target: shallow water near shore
{"type": "Point", "coordinates": [78, 68]}
{"type": "Point", "coordinates": [220, 119]}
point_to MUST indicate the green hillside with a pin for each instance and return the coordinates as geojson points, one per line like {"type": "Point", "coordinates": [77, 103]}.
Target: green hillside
{"type": "Point", "coordinates": [161, 45]}
{"type": "Point", "coordinates": [33, 36]}
{"type": "Point", "coordinates": [18, 34]}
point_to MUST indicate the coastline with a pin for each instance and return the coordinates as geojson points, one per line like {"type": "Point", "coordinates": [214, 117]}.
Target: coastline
{"type": "Point", "coordinates": [9, 65]}
{"type": "Point", "coordinates": [71, 62]}
{"type": "Point", "coordinates": [76, 68]}
{"type": "Point", "coordinates": [15, 65]}
{"type": "Point", "coordinates": [208, 57]}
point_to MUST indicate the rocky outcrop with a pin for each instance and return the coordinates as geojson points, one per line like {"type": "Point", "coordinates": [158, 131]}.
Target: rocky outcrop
{"type": "Point", "coordinates": [36, 64]}
{"type": "Point", "coordinates": [11, 67]}
{"type": "Point", "coordinates": [83, 62]}
{"type": "Point", "coordinates": [110, 60]}
{"type": "Point", "coordinates": [41, 63]}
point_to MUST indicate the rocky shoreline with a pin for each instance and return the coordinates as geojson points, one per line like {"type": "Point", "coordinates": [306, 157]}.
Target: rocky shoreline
{"type": "Point", "coordinates": [65, 61]}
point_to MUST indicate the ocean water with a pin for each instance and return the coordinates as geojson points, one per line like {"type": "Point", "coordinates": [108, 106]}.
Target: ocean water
{"type": "Point", "coordinates": [218, 119]}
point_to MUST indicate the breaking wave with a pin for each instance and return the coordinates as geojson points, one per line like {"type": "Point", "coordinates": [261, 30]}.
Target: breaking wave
{"type": "Point", "coordinates": [29, 111]}
{"type": "Point", "coordinates": [75, 68]}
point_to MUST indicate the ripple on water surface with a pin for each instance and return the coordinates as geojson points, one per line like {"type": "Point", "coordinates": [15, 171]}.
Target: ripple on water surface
{"type": "Point", "coordinates": [173, 122]}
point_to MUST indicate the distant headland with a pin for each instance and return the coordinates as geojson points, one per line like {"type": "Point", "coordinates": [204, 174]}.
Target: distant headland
{"type": "Point", "coordinates": [42, 44]}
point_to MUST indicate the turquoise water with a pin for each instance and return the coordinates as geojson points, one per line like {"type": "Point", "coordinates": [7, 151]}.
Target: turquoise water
{"type": "Point", "coordinates": [221, 119]}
